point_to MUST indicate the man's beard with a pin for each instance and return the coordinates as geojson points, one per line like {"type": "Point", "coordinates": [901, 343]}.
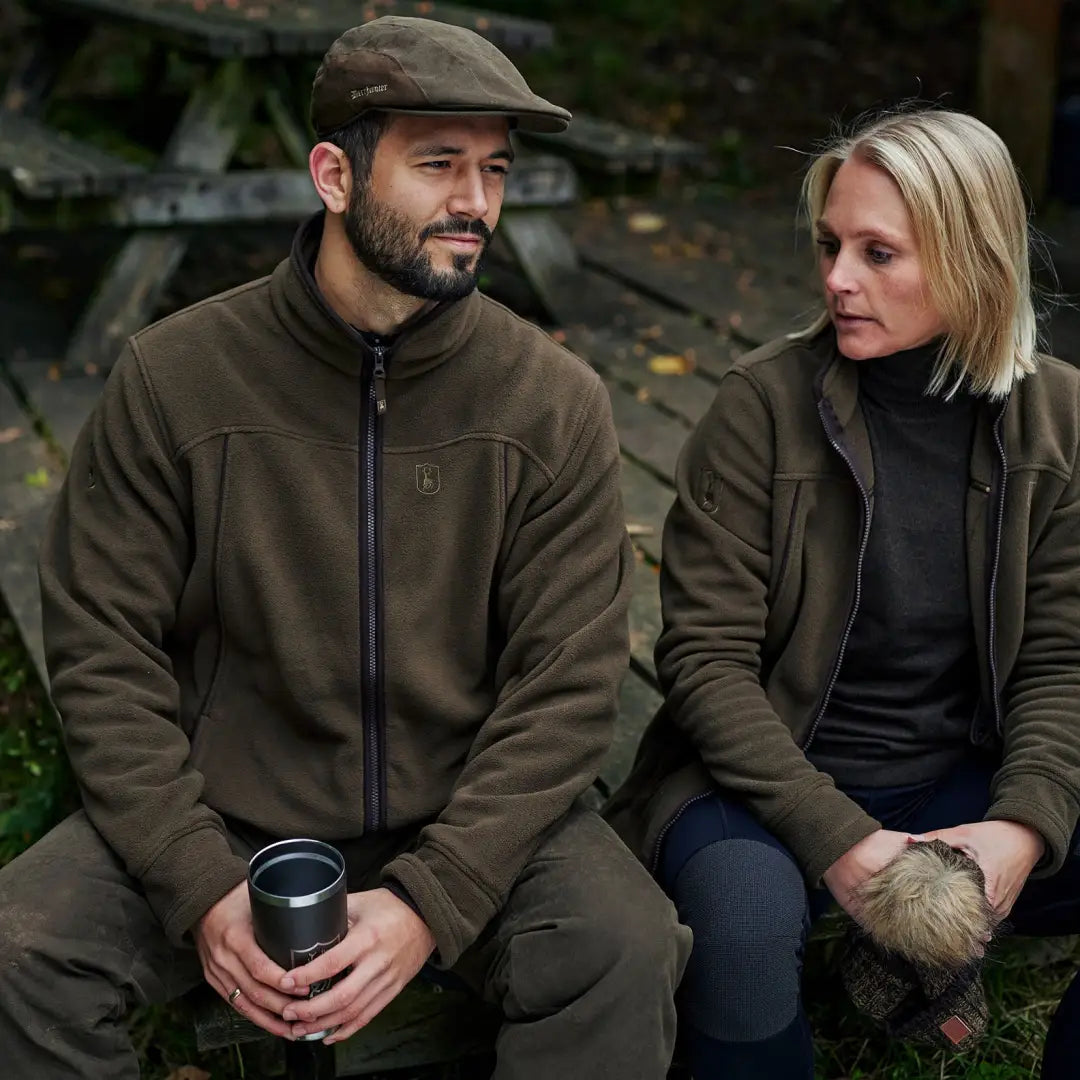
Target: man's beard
{"type": "Point", "coordinates": [386, 243]}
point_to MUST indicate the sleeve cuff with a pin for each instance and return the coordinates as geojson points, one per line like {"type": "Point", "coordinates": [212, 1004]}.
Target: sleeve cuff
{"type": "Point", "coordinates": [451, 903]}
{"type": "Point", "coordinates": [402, 894]}
{"type": "Point", "coordinates": [821, 828]}
{"type": "Point", "coordinates": [1055, 831]}
{"type": "Point", "coordinates": [191, 875]}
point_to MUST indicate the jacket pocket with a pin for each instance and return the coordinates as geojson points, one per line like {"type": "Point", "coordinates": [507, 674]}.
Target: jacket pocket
{"type": "Point", "coordinates": [790, 542]}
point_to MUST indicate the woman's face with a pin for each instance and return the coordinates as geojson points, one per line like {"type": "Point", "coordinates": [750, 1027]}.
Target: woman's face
{"type": "Point", "coordinates": [875, 287]}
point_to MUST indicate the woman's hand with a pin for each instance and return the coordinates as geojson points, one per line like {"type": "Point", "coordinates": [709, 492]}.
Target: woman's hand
{"type": "Point", "coordinates": [1006, 851]}
{"type": "Point", "coordinates": [860, 863]}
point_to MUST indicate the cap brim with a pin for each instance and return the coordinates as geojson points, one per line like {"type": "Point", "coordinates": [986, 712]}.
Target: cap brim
{"type": "Point", "coordinates": [546, 123]}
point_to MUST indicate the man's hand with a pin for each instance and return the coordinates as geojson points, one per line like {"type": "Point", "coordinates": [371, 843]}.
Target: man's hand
{"type": "Point", "coordinates": [1005, 850]}
{"type": "Point", "coordinates": [860, 863]}
{"type": "Point", "coordinates": [386, 945]}
{"type": "Point", "coordinates": [231, 958]}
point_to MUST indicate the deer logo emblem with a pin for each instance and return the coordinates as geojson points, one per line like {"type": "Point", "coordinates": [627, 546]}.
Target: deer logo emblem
{"type": "Point", "coordinates": [428, 480]}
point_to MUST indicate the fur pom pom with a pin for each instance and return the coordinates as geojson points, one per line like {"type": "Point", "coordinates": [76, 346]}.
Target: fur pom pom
{"type": "Point", "coordinates": [929, 906]}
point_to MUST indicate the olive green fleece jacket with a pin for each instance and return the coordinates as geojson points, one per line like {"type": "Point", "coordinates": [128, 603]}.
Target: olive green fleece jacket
{"type": "Point", "coordinates": [209, 627]}
{"type": "Point", "coordinates": [760, 562]}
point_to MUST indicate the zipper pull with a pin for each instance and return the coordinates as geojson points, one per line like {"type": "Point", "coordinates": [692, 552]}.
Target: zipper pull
{"type": "Point", "coordinates": [380, 381]}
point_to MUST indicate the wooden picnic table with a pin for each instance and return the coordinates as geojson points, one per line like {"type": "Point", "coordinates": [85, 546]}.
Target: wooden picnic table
{"type": "Point", "coordinates": [287, 28]}
{"type": "Point", "coordinates": [243, 47]}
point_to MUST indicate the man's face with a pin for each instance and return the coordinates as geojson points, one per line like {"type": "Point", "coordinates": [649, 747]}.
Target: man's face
{"type": "Point", "coordinates": [424, 218]}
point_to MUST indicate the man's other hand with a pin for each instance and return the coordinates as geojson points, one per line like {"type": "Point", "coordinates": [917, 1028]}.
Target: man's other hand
{"type": "Point", "coordinates": [231, 960]}
{"type": "Point", "coordinates": [387, 944]}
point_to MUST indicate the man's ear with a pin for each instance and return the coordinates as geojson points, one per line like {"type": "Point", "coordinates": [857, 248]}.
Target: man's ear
{"type": "Point", "coordinates": [332, 176]}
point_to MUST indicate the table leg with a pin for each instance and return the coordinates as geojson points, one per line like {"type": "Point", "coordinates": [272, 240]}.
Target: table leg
{"type": "Point", "coordinates": [36, 68]}
{"type": "Point", "coordinates": [295, 137]}
{"type": "Point", "coordinates": [204, 140]}
{"type": "Point", "coordinates": [547, 257]}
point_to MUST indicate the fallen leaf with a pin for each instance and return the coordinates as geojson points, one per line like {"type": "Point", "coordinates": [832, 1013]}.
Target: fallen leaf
{"type": "Point", "coordinates": [642, 395]}
{"type": "Point", "coordinates": [650, 333]}
{"type": "Point", "coordinates": [39, 478]}
{"type": "Point", "coordinates": [53, 374]}
{"type": "Point", "coordinates": [559, 336]}
{"type": "Point", "coordinates": [9, 434]}
{"type": "Point", "coordinates": [188, 1072]}
{"type": "Point", "coordinates": [645, 222]}
{"type": "Point", "coordinates": [27, 252]}
{"type": "Point", "coordinates": [669, 364]}
{"type": "Point", "coordinates": [6, 524]}
{"type": "Point", "coordinates": [638, 349]}
{"type": "Point", "coordinates": [639, 530]}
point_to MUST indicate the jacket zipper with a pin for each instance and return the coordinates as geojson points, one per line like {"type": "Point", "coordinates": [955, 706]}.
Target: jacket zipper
{"type": "Point", "coordinates": [864, 538]}
{"type": "Point", "coordinates": [999, 721]}
{"type": "Point", "coordinates": [371, 700]}
{"type": "Point", "coordinates": [658, 846]}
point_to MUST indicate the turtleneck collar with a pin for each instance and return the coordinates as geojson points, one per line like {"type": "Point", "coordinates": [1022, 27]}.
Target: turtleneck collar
{"type": "Point", "coordinates": [897, 383]}
{"type": "Point", "coordinates": [420, 345]}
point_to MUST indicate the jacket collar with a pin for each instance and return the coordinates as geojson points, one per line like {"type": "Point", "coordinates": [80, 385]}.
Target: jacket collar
{"type": "Point", "coordinates": [836, 390]}
{"type": "Point", "coordinates": [429, 341]}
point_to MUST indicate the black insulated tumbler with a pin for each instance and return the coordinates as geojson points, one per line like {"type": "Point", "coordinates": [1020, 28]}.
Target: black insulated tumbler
{"type": "Point", "coordinates": [298, 904]}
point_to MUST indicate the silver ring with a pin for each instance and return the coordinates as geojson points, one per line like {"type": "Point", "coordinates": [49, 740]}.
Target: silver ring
{"type": "Point", "coordinates": [234, 995]}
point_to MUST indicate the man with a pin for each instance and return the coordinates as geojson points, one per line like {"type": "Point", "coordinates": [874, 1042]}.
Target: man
{"type": "Point", "coordinates": [340, 553]}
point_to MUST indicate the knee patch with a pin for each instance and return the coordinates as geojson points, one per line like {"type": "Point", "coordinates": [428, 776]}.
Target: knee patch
{"type": "Point", "coordinates": [746, 903]}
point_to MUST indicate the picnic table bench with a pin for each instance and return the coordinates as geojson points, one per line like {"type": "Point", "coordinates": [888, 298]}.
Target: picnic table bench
{"type": "Point", "coordinates": [242, 47]}
{"type": "Point", "coordinates": [49, 178]}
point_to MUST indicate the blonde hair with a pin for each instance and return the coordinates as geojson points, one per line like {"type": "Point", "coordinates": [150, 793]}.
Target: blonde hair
{"type": "Point", "coordinates": [971, 225]}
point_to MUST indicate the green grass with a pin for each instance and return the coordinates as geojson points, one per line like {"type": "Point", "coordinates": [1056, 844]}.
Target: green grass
{"type": "Point", "coordinates": [1024, 979]}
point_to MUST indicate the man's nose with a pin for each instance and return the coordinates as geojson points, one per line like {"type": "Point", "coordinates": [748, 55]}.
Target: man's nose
{"type": "Point", "coordinates": [469, 197]}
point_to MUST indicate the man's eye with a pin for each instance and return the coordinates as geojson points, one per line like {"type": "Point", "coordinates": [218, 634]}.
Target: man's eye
{"type": "Point", "coordinates": [436, 164]}
{"type": "Point", "coordinates": [501, 170]}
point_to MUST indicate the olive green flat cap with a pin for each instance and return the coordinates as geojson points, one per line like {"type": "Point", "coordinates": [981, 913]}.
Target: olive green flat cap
{"type": "Point", "coordinates": [399, 64]}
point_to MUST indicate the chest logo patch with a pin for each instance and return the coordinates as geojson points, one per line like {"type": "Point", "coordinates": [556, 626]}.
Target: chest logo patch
{"type": "Point", "coordinates": [428, 480]}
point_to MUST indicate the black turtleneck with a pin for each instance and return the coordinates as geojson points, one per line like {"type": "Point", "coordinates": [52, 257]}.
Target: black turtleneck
{"type": "Point", "coordinates": [901, 710]}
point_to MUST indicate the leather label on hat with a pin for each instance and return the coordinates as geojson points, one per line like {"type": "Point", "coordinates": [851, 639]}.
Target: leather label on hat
{"type": "Point", "coordinates": [955, 1030]}
{"type": "Point", "coordinates": [355, 95]}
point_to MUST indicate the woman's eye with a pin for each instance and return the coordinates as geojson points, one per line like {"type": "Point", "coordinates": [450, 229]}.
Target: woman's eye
{"type": "Point", "coordinates": [879, 257]}
{"type": "Point", "coordinates": [830, 247]}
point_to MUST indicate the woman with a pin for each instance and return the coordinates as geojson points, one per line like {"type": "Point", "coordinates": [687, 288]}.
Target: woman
{"type": "Point", "coordinates": [871, 593]}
